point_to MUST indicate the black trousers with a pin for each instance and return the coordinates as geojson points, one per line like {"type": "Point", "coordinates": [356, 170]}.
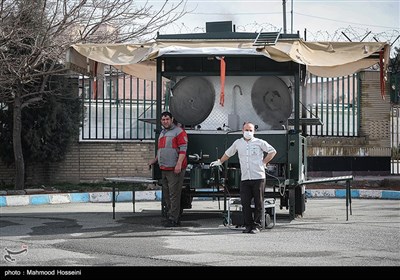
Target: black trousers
{"type": "Point", "coordinates": [249, 190]}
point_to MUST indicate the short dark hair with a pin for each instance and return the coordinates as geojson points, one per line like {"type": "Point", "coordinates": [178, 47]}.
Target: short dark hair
{"type": "Point", "coordinates": [248, 123]}
{"type": "Point", "coordinates": [166, 114]}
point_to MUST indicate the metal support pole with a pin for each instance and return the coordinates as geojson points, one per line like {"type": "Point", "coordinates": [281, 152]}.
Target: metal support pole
{"type": "Point", "coordinates": [163, 205]}
{"type": "Point", "coordinates": [133, 200]}
{"type": "Point", "coordinates": [348, 188]}
{"type": "Point", "coordinates": [113, 200]}
{"type": "Point", "coordinates": [225, 201]}
{"type": "Point", "coordinates": [263, 214]}
{"type": "Point", "coordinates": [274, 213]}
{"type": "Point", "coordinates": [347, 203]}
{"type": "Point", "coordinates": [292, 198]}
{"type": "Point", "coordinates": [351, 212]}
{"type": "Point", "coordinates": [348, 199]}
{"type": "Point", "coordinates": [228, 222]}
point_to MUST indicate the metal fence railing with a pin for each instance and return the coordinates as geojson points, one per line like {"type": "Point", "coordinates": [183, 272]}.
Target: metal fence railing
{"type": "Point", "coordinates": [122, 107]}
{"type": "Point", "coordinates": [335, 102]}
{"type": "Point", "coordinates": [118, 107]}
{"type": "Point", "coordinates": [395, 88]}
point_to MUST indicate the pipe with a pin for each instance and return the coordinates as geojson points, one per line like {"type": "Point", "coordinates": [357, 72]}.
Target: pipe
{"type": "Point", "coordinates": [284, 16]}
{"type": "Point", "coordinates": [291, 20]}
{"type": "Point", "coordinates": [239, 89]}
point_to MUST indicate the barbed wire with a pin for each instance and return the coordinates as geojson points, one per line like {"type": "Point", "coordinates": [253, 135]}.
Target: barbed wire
{"type": "Point", "coordinates": [355, 34]}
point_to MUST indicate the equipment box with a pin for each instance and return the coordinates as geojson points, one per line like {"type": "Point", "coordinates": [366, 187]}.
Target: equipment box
{"type": "Point", "coordinates": [235, 214]}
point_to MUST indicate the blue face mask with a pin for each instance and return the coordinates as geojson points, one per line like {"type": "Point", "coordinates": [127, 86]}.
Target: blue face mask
{"type": "Point", "coordinates": [248, 134]}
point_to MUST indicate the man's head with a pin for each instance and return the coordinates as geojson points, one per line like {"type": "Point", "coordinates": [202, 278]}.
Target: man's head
{"type": "Point", "coordinates": [166, 120]}
{"type": "Point", "coordinates": [248, 130]}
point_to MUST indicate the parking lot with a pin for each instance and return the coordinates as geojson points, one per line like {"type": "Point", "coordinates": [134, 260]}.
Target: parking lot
{"type": "Point", "coordinates": [84, 234]}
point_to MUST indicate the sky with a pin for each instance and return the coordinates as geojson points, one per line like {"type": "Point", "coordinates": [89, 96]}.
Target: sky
{"type": "Point", "coordinates": [324, 20]}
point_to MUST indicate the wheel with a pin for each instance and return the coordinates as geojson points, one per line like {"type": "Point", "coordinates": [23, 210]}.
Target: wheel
{"type": "Point", "coordinates": [267, 221]}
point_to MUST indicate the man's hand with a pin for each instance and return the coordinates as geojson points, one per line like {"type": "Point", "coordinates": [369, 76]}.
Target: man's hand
{"type": "Point", "coordinates": [151, 163]}
{"type": "Point", "coordinates": [215, 163]}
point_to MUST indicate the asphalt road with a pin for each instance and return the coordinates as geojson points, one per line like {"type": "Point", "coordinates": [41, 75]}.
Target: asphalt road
{"type": "Point", "coordinates": [84, 234]}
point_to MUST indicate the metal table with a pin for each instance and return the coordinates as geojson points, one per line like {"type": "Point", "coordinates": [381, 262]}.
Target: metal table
{"type": "Point", "coordinates": [132, 180]}
{"type": "Point", "coordinates": [347, 179]}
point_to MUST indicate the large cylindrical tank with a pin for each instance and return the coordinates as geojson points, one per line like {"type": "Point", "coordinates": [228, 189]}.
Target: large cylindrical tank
{"type": "Point", "coordinates": [233, 178]}
{"type": "Point", "coordinates": [199, 177]}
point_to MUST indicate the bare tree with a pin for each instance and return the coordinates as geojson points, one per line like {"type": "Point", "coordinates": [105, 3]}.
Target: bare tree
{"type": "Point", "coordinates": [34, 36]}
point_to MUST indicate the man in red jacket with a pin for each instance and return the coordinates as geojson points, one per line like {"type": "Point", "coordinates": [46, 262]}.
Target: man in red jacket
{"type": "Point", "coordinates": [171, 157]}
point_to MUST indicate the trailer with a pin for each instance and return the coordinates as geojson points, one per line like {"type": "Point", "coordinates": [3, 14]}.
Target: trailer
{"type": "Point", "coordinates": [212, 82]}
{"type": "Point", "coordinates": [213, 90]}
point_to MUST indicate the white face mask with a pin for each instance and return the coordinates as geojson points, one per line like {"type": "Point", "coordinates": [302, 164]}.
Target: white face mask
{"type": "Point", "coordinates": [248, 134]}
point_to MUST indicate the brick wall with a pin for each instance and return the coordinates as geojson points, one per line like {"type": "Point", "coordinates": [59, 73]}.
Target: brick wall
{"type": "Point", "coordinates": [89, 162]}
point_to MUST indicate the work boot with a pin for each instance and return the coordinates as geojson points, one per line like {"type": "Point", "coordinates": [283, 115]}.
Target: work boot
{"type": "Point", "coordinates": [248, 229]}
{"type": "Point", "coordinates": [254, 231]}
{"type": "Point", "coordinates": [257, 226]}
{"type": "Point", "coordinates": [171, 223]}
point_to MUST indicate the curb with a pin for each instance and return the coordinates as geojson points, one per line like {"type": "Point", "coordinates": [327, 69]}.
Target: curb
{"type": "Point", "coordinates": [126, 196]}
{"type": "Point", "coordinates": [355, 193]}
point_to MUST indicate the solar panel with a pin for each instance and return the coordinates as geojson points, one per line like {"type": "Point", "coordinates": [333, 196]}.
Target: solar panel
{"type": "Point", "coordinates": [266, 38]}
